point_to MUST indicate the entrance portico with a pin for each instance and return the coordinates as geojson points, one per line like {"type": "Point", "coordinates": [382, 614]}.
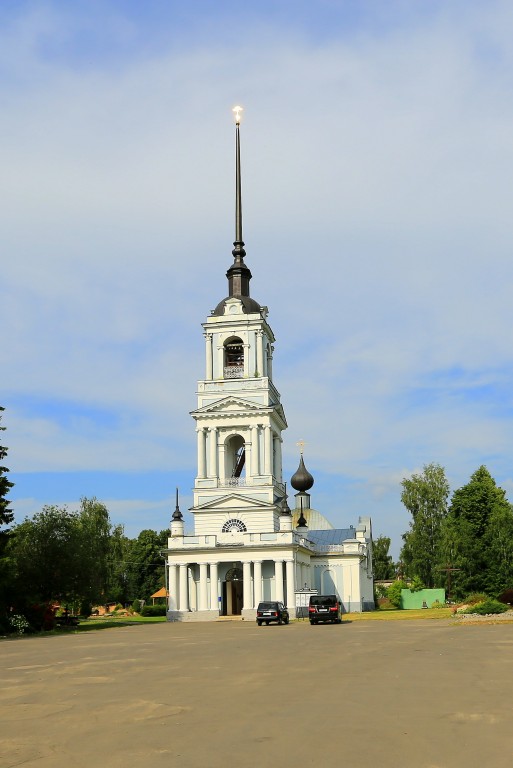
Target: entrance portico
{"type": "Point", "coordinates": [211, 588]}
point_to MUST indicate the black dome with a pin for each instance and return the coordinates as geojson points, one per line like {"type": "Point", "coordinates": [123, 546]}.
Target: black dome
{"type": "Point", "coordinates": [302, 480]}
{"type": "Point", "coordinates": [249, 305]}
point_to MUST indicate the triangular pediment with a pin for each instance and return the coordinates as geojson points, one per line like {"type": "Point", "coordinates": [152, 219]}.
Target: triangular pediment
{"type": "Point", "coordinates": [231, 404]}
{"type": "Point", "coordinates": [233, 501]}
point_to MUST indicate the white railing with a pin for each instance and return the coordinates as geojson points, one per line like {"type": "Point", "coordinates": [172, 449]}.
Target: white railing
{"type": "Point", "coordinates": [232, 482]}
{"type": "Point", "coordinates": [329, 547]}
{"type": "Point", "coordinates": [234, 372]}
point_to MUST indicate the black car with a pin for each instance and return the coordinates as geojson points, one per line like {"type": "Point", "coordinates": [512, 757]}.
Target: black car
{"type": "Point", "coordinates": [271, 611]}
{"type": "Point", "coordinates": [324, 608]}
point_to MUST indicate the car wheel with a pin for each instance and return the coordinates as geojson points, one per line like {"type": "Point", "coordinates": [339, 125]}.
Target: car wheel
{"type": "Point", "coordinates": [267, 623]}
{"type": "Point", "coordinates": [259, 623]}
{"type": "Point", "coordinates": [287, 620]}
{"type": "Point", "coordinates": [280, 621]}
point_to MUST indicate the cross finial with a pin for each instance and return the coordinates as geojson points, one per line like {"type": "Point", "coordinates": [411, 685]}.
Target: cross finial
{"type": "Point", "coordinates": [301, 445]}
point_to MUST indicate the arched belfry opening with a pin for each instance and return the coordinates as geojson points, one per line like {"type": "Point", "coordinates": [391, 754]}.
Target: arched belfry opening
{"type": "Point", "coordinates": [233, 358]}
{"type": "Point", "coordinates": [235, 458]}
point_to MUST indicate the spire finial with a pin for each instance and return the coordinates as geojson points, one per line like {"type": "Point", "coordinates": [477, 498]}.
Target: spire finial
{"type": "Point", "coordinates": [301, 445]}
{"type": "Point", "coordinates": [177, 515]}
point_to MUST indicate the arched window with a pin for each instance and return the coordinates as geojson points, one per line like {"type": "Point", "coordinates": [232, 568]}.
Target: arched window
{"type": "Point", "coordinates": [234, 526]}
{"type": "Point", "coordinates": [235, 459]}
{"type": "Point", "coordinates": [233, 358]}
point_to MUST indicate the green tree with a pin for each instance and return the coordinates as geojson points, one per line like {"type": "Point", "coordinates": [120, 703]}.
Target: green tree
{"type": "Point", "coordinates": [382, 562]}
{"type": "Point", "coordinates": [94, 533]}
{"type": "Point", "coordinates": [477, 536]}
{"type": "Point", "coordinates": [6, 518]}
{"type": "Point", "coordinates": [119, 557]}
{"type": "Point", "coordinates": [45, 552]}
{"type": "Point", "coordinates": [146, 566]}
{"type": "Point", "coordinates": [6, 514]}
{"type": "Point", "coordinates": [425, 497]}
{"type": "Point", "coordinates": [62, 555]}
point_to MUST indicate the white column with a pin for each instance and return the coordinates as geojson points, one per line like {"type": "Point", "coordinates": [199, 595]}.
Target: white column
{"type": "Point", "coordinates": [173, 584]}
{"type": "Point", "coordinates": [291, 598]}
{"type": "Point", "coordinates": [260, 352]}
{"type": "Point", "coordinates": [277, 457]}
{"type": "Point", "coordinates": [212, 470]}
{"type": "Point", "coordinates": [255, 464]}
{"type": "Point", "coordinates": [268, 448]}
{"type": "Point", "coordinates": [221, 469]}
{"type": "Point", "coordinates": [270, 362]}
{"type": "Point", "coordinates": [203, 587]}
{"type": "Point", "coordinates": [246, 585]}
{"type": "Point", "coordinates": [183, 602]}
{"type": "Point", "coordinates": [278, 578]}
{"type": "Point", "coordinates": [214, 602]}
{"type": "Point", "coordinates": [257, 581]}
{"type": "Point", "coordinates": [248, 462]}
{"type": "Point", "coordinates": [246, 359]}
{"type": "Point", "coordinates": [201, 452]}
{"type": "Point", "coordinates": [220, 361]}
{"type": "Point", "coordinates": [208, 357]}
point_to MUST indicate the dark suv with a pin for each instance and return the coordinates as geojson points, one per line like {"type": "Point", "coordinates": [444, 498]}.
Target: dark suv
{"type": "Point", "coordinates": [324, 608]}
{"type": "Point", "coordinates": [271, 611]}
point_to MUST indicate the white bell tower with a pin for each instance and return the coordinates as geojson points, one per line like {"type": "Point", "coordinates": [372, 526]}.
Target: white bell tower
{"type": "Point", "coordinates": [239, 417]}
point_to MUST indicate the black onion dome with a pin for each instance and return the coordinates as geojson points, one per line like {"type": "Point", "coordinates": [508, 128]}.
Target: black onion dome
{"type": "Point", "coordinates": [249, 305]}
{"type": "Point", "coordinates": [302, 480]}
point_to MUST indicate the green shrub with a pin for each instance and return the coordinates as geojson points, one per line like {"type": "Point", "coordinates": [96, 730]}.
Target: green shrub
{"type": "Point", "coordinates": [394, 592]}
{"type": "Point", "coordinates": [475, 598]}
{"type": "Point", "coordinates": [416, 584]}
{"type": "Point", "coordinates": [136, 606]}
{"type": "Point", "coordinates": [384, 604]}
{"type": "Point", "coordinates": [488, 606]}
{"type": "Point", "coordinates": [437, 604]}
{"type": "Point", "coordinates": [159, 609]}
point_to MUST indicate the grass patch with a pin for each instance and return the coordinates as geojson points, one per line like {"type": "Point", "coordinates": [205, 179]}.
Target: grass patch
{"type": "Point", "coordinates": [400, 615]}
{"type": "Point", "coordinates": [91, 625]}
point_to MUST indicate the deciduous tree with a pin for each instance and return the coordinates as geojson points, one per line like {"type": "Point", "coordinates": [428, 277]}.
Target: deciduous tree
{"type": "Point", "coordinates": [382, 562]}
{"type": "Point", "coordinates": [425, 497]}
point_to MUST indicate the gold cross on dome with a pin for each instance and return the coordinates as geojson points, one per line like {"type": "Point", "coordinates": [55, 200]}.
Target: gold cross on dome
{"type": "Point", "coordinates": [301, 445]}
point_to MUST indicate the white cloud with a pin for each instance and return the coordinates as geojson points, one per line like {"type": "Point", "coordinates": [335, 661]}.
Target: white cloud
{"type": "Point", "coordinates": [376, 172]}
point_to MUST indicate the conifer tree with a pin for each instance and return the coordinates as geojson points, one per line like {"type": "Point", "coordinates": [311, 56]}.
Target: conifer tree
{"type": "Point", "coordinates": [477, 536]}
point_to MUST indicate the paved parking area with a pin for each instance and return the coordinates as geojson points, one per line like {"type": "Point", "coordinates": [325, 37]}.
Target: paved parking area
{"type": "Point", "coordinates": [403, 694]}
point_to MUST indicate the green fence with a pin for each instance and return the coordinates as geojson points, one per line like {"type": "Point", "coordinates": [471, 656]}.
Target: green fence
{"type": "Point", "coordinates": [424, 598]}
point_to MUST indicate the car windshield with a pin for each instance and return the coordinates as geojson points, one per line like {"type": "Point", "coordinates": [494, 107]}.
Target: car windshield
{"type": "Point", "coordinates": [323, 600]}
{"type": "Point", "coordinates": [267, 606]}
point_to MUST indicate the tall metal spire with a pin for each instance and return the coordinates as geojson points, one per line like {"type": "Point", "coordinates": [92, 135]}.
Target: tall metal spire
{"type": "Point", "coordinates": [238, 275]}
{"type": "Point", "coordinates": [238, 251]}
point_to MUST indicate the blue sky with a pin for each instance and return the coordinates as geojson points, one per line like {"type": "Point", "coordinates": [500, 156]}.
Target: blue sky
{"type": "Point", "coordinates": [377, 167]}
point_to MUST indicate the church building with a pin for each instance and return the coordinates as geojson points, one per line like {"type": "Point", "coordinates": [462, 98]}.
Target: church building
{"type": "Point", "coordinates": [247, 544]}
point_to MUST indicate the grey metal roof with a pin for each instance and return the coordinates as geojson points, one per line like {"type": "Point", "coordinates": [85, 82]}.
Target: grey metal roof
{"type": "Point", "coordinates": [333, 536]}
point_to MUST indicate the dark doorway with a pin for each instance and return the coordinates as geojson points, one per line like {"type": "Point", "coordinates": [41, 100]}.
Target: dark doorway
{"type": "Point", "coordinates": [233, 593]}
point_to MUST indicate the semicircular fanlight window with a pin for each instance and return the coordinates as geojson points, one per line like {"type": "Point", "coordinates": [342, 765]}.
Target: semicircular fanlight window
{"type": "Point", "coordinates": [234, 525]}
